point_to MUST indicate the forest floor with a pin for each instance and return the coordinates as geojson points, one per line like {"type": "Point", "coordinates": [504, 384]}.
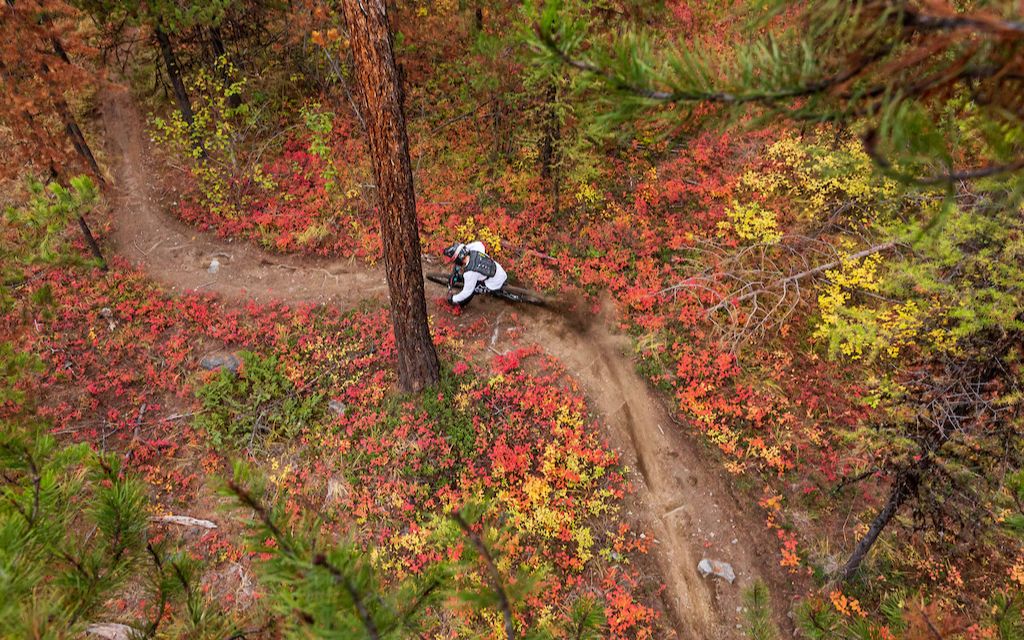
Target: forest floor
{"type": "Point", "coordinates": [682, 494]}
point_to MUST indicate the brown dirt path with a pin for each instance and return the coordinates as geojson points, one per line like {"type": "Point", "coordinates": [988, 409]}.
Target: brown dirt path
{"type": "Point", "coordinates": [686, 501]}
{"type": "Point", "coordinates": [683, 493]}
{"type": "Point", "coordinates": [179, 256]}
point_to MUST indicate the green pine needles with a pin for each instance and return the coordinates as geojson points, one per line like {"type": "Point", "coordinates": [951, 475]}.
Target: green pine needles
{"type": "Point", "coordinates": [72, 531]}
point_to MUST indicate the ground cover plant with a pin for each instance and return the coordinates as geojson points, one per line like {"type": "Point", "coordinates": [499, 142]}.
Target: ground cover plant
{"type": "Point", "coordinates": [381, 471]}
{"type": "Point", "coordinates": [808, 225]}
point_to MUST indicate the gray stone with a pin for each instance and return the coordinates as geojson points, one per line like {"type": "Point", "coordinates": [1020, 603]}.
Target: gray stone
{"type": "Point", "coordinates": [337, 407]}
{"type": "Point", "coordinates": [214, 266]}
{"type": "Point", "coordinates": [723, 570]}
{"type": "Point", "coordinates": [228, 361]}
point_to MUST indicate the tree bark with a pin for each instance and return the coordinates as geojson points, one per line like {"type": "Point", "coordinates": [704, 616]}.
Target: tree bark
{"type": "Point", "coordinates": [90, 240]}
{"type": "Point", "coordinates": [549, 148]}
{"type": "Point", "coordinates": [377, 79]}
{"type": "Point", "coordinates": [55, 174]}
{"type": "Point", "coordinates": [70, 124]}
{"type": "Point", "coordinates": [174, 73]}
{"type": "Point", "coordinates": [220, 53]}
{"type": "Point", "coordinates": [903, 487]}
{"type": "Point", "coordinates": [552, 132]}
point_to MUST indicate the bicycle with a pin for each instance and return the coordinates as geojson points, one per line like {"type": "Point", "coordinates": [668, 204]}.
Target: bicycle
{"type": "Point", "coordinates": [508, 292]}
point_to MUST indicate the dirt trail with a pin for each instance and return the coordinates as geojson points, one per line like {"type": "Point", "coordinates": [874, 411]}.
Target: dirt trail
{"type": "Point", "coordinates": [179, 256]}
{"type": "Point", "coordinates": [686, 502]}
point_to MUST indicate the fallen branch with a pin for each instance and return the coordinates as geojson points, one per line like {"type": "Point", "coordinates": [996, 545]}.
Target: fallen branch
{"type": "Point", "coordinates": [796, 277]}
{"type": "Point", "coordinates": [111, 631]}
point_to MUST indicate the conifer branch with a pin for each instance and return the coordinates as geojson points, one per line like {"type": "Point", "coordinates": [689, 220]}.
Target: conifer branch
{"type": "Point", "coordinates": [492, 568]}
{"type": "Point", "coordinates": [715, 97]}
{"type": "Point", "coordinates": [320, 560]}
{"type": "Point", "coordinates": [871, 148]}
{"type": "Point", "coordinates": [949, 23]}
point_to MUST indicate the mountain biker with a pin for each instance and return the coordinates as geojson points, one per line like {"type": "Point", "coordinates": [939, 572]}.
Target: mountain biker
{"type": "Point", "coordinates": [475, 266]}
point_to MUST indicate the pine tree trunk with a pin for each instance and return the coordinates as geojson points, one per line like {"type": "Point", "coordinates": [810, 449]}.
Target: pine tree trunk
{"type": "Point", "coordinates": [174, 73]}
{"type": "Point", "coordinates": [902, 488]}
{"type": "Point", "coordinates": [552, 132]}
{"type": "Point", "coordinates": [70, 124]}
{"type": "Point", "coordinates": [549, 148]}
{"type": "Point", "coordinates": [377, 78]}
{"type": "Point", "coordinates": [55, 175]}
{"type": "Point", "coordinates": [90, 240]}
{"type": "Point", "coordinates": [220, 53]}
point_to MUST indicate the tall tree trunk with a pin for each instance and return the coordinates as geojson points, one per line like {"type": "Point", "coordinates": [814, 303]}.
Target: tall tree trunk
{"type": "Point", "coordinates": [904, 486]}
{"type": "Point", "coordinates": [77, 139]}
{"type": "Point", "coordinates": [221, 54]}
{"type": "Point", "coordinates": [377, 78]}
{"type": "Point", "coordinates": [90, 240]}
{"type": "Point", "coordinates": [498, 124]}
{"type": "Point", "coordinates": [180, 95]}
{"type": "Point", "coordinates": [550, 154]}
{"type": "Point", "coordinates": [55, 174]}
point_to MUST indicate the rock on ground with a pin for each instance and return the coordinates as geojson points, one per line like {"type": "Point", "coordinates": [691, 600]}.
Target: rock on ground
{"type": "Point", "coordinates": [723, 570]}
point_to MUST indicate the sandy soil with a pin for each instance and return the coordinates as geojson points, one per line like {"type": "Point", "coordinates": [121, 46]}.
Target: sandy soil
{"type": "Point", "coordinates": [683, 494]}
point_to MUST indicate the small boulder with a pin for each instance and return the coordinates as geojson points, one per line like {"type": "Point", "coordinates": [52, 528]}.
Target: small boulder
{"type": "Point", "coordinates": [723, 570]}
{"type": "Point", "coordinates": [214, 266]}
{"type": "Point", "coordinates": [228, 361]}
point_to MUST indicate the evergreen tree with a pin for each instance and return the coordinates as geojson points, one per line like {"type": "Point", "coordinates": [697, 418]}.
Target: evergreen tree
{"type": "Point", "coordinates": [378, 82]}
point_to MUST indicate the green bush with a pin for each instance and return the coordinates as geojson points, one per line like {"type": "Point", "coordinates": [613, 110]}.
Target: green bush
{"type": "Point", "coordinates": [456, 425]}
{"type": "Point", "coordinates": [257, 405]}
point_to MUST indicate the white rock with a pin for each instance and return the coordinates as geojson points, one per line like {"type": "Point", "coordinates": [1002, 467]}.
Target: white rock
{"type": "Point", "coordinates": [723, 570]}
{"type": "Point", "coordinates": [214, 266]}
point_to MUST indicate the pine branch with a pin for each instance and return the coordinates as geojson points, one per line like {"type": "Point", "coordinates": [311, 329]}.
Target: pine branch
{"type": "Point", "coordinates": [250, 501]}
{"type": "Point", "coordinates": [155, 623]}
{"type": "Point", "coordinates": [492, 567]}
{"type": "Point", "coordinates": [320, 560]}
{"type": "Point", "coordinates": [949, 23]}
{"type": "Point", "coordinates": [847, 481]}
{"type": "Point", "coordinates": [715, 97]}
{"type": "Point", "coordinates": [953, 177]}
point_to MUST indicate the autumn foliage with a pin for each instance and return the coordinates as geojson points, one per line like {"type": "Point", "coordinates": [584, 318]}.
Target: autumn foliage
{"type": "Point", "coordinates": [843, 347]}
